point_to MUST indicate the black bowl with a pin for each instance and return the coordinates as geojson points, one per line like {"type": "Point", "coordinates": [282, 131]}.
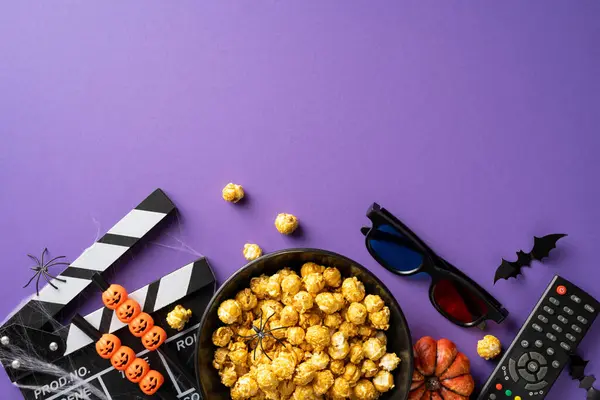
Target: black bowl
{"type": "Point", "coordinates": [399, 340]}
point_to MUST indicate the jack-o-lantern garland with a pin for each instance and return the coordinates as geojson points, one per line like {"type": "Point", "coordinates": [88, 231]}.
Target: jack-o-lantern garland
{"type": "Point", "coordinates": [141, 324]}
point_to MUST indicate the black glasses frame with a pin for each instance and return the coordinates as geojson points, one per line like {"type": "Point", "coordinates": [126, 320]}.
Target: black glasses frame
{"type": "Point", "coordinates": [433, 265]}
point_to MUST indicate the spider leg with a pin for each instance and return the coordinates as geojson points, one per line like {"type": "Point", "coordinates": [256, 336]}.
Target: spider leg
{"type": "Point", "coordinates": [54, 264]}
{"type": "Point", "coordinates": [35, 268]}
{"type": "Point", "coordinates": [50, 282]}
{"type": "Point", "coordinates": [248, 337]}
{"type": "Point", "coordinates": [263, 350]}
{"type": "Point", "coordinates": [281, 327]}
{"type": "Point", "coordinates": [34, 258]}
{"type": "Point", "coordinates": [32, 278]}
{"type": "Point", "coordinates": [260, 325]}
{"type": "Point", "coordinates": [267, 321]}
{"type": "Point", "coordinates": [43, 252]}
{"type": "Point", "coordinates": [55, 258]}
{"type": "Point", "coordinates": [58, 279]}
{"type": "Point", "coordinates": [278, 341]}
{"type": "Point", "coordinates": [37, 285]}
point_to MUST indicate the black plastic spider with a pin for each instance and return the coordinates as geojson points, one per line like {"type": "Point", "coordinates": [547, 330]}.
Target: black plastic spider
{"type": "Point", "coordinates": [261, 333]}
{"type": "Point", "coordinates": [42, 269]}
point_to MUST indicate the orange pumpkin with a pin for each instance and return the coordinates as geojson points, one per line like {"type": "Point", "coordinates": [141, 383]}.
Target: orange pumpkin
{"type": "Point", "coordinates": [141, 324]}
{"type": "Point", "coordinates": [441, 371]}
{"type": "Point", "coordinates": [137, 370]}
{"type": "Point", "coordinates": [128, 310]}
{"type": "Point", "coordinates": [151, 382]}
{"type": "Point", "coordinates": [154, 338]}
{"type": "Point", "coordinates": [114, 296]}
{"type": "Point", "coordinates": [122, 358]}
{"type": "Point", "coordinates": [107, 345]}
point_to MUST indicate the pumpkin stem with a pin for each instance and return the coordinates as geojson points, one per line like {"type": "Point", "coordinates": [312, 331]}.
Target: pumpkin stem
{"type": "Point", "coordinates": [433, 384]}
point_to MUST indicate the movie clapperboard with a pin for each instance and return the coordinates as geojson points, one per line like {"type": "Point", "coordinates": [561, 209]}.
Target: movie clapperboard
{"type": "Point", "coordinates": [192, 286]}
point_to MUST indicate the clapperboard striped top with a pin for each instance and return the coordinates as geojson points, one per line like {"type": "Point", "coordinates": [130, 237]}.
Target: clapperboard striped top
{"type": "Point", "coordinates": [97, 258]}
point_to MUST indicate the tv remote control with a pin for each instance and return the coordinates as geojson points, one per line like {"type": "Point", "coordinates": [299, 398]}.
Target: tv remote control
{"type": "Point", "coordinates": [536, 357]}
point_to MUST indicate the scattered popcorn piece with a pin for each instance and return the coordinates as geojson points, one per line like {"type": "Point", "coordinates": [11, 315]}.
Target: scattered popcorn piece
{"type": "Point", "coordinates": [286, 223]}
{"type": "Point", "coordinates": [489, 347]}
{"type": "Point", "coordinates": [233, 193]}
{"type": "Point", "coordinates": [383, 381]}
{"type": "Point", "coordinates": [252, 251]}
{"type": "Point", "coordinates": [178, 317]}
{"type": "Point", "coordinates": [229, 311]}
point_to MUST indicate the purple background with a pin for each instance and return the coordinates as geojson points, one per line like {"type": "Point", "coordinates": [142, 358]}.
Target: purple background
{"type": "Point", "coordinates": [476, 124]}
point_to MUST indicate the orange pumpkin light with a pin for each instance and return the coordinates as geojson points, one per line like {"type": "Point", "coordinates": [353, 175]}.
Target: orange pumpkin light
{"type": "Point", "coordinates": [107, 345]}
{"type": "Point", "coordinates": [141, 324]}
{"type": "Point", "coordinates": [137, 370]}
{"type": "Point", "coordinates": [114, 296]}
{"type": "Point", "coordinates": [128, 311]}
{"type": "Point", "coordinates": [154, 338]}
{"type": "Point", "coordinates": [151, 382]}
{"type": "Point", "coordinates": [122, 358]}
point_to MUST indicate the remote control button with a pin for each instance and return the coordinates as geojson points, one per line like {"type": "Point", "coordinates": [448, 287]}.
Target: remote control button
{"type": "Point", "coordinates": [563, 319]}
{"type": "Point", "coordinates": [576, 299]}
{"type": "Point", "coordinates": [557, 328]}
{"type": "Point", "coordinates": [536, 386]}
{"type": "Point", "coordinates": [512, 370]}
{"type": "Point", "coordinates": [549, 310]}
{"type": "Point", "coordinates": [533, 366]}
{"type": "Point", "coordinates": [550, 351]}
{"type": "Point", "coordinates": [565, 346]}
{"type": "Point", "coordinates": [524, 344]}
{"type": "Point", "coordinates": [562, 290]}
{"type": "Point", "coordinates": [542, 373]}
{"type": "Point", "coordinates": [551, 336]}
{"type": "Point", "coordinates": [589, 308]}
{"type": "Point", "coordinates": [537, 357]}
{"type": "Point", "coordinates": [539, 344]}
{"type": "Point", "coordinates": [555, 364]}
{"type": "Point", "coordinates": [542, 318]}
{"type": "Point", "coordinates": [568, 310]}
{"type": "Point", "coordinates": [527, 376]}
{"type": "Point", "coordinates": [517, 397]}
{"type": "Point", "coordinates": [571, 337]}
{"type": "Point", "coordinates": [537, 327]}
{"type": "Point", "coordinates": [576, 328]}
{"type": "Point", "coordinates": [508, 392]}
{"type": "Point", "coordinates": [582, 320]}
{"type": "Point", "coordinates": [554, 301]}
{"type": "Point", "coordinates": [498, 386]}
{"type": "Point", "coordinates": [492, 396]}
{"type": "Point", "coordinates": [523, 360]}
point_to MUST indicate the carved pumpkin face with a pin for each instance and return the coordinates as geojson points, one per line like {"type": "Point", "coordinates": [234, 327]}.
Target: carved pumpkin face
{"type": "Point", "coordinates": [128, 311]}
{"type": "Point", "coordinates": [141, 324]}
{"type": "Point", "coordinates": [122, 358]}
{"type": "Point", "coordinates": [154, 338]}
{"type": "Point", "coordinates": [114, 296]}
{"type": "Point", "coordinates": [137, 370]}
{"type": "Point", "coordinates": [151, 382]}
{"type": "Point", "coordinates": [107, 345]}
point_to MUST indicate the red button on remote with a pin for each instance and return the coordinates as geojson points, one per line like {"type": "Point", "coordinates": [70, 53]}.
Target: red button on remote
{"type": "Point", "coordinates": [499, 386]}
{"type": "Point", "coordinates": [561, 290]}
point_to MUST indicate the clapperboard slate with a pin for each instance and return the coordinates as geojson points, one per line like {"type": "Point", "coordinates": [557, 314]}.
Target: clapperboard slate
{"type": "Point", "coordinates": [192, 286]}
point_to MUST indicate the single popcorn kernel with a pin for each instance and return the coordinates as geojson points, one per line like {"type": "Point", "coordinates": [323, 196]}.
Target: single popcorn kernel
{"type": "Point", "coordinates": [489, 347]}
{"type": "Point", "coordinates": [286, 223]}
{"type": "Point", "coordinates": [233, 193]}
{"type": "Point", "coordinates": [178, 317]}
{"type": "Point", "coordinates": [229, 311]}
{"type": "Point", "coordinates": [252, 251]}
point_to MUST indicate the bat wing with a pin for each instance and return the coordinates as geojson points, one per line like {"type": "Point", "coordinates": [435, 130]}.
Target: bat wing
{"type": "Point", "coordinates": [577, 367]}
{"type": "Point", "coordinates": [507, 269]}
{"type": "Point", "coordinates": [542, 246]}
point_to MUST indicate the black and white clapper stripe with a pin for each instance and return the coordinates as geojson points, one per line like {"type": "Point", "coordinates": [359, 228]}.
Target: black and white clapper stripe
{"type": "Point", "coordinates": [159, 294]}
{"type": "Point", "coordinates": [96, 258]}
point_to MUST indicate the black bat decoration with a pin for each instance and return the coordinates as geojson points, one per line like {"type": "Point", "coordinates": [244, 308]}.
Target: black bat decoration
{"type": "Point", "coordinates": [577, 372]}
{"type": "Point", "coordinates": [541, 249]}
